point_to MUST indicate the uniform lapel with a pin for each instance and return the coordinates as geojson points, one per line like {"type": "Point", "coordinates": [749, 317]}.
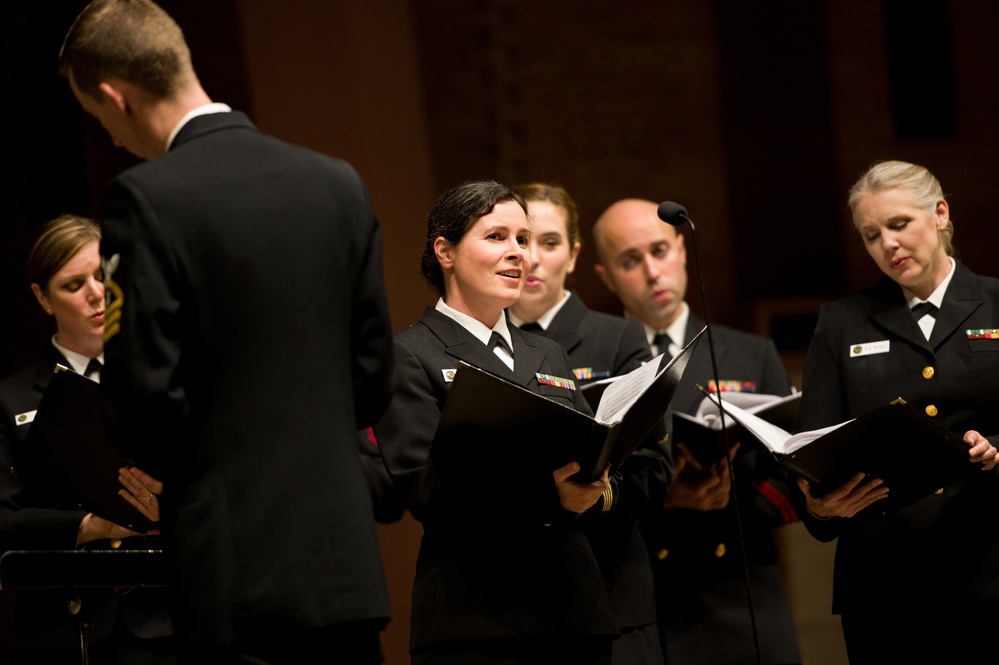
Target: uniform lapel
{"type": "Point", "coordinates": [463, 345]}
{"type": "Point", "coordinates": [564, 326]}
{"type": "Point", "coordinates": [46, 366]}
{"type": "Point", "coordinates": [528, 357]}
{"type": "Point", "coordinates": [699, 369]}
{"type": "Point", "coordinates": [960, 301]}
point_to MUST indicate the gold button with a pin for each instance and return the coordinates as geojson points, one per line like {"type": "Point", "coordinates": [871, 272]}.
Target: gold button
{"type": "Point", "coordinates": [662, 554]}
{"type": "Point", "coordinates": [939, 491]}
{"type": "Point", "coordinates": [928, 372]}
{"type": "Point", "coordinates": [857, 349]}
{"type": "Point", "coordinates": [21, 418]}
{"type": "Point", "coordinates": [931, 410]}
{"type": "Point", "coordinates": [720, 550]}
{"type": "Point", "coordinates": [115, 544]}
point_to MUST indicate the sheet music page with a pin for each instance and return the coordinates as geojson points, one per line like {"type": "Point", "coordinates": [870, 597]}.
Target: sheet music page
{"type": "Point", "coordinates": [773, 437]}
{"type": "Point", "coordinates": [622, 393]}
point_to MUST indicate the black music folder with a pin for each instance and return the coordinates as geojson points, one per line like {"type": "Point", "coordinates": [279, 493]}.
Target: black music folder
{"type": "Point", "coordinates": [702, 432]}
{"type": "Point", "coordinates": [491, 423]}
{"type": "Point", "coordinates": [67, 452]}
{"type": "Point", "coordinates": [913, 454]}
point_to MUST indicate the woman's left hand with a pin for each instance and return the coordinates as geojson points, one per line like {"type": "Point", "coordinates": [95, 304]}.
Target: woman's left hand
{"type": "Point", "coordinates": [981, 450]}
{"type": "Point", "coordinates": [141, 491]}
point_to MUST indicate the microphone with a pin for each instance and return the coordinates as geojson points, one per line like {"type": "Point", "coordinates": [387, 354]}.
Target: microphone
{"type": "Point", "coordinates": [675, 214]}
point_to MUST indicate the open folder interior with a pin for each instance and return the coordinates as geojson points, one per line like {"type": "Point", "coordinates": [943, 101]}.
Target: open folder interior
{"type": "Point", "coordinates": [490, 421]}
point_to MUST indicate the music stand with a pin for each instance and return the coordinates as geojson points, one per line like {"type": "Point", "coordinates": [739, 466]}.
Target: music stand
{"type": "Point", "coordinates": [120, 570]}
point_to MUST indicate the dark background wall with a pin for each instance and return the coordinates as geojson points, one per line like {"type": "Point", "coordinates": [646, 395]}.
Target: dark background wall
{"type": "Point", "coordinates": [756, 116]}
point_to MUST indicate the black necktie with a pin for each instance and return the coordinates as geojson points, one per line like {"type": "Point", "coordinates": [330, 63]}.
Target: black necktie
{"type": "Point", "coordinates": [922, 309]}
{"type": "Point", "coordinates": [662, 341]}
{"type": "Point", "coordinates": [531, 327]}
{"type": "Point", "coordinates": [497, 340]}
{"type": "Point", "coordinates": [94, 366]}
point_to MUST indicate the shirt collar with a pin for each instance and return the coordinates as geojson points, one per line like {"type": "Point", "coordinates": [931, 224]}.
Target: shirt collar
{"type": "Point", "coordinates": [214, 107]}
{"type": "Point", "coordinates": [677, 330]}
{"type": "Point", "coordinates": [478, 329]}
{"type": "Point", "coordinates": [936, 298]}
{"type": "Point", "coordinates": [77, 361]}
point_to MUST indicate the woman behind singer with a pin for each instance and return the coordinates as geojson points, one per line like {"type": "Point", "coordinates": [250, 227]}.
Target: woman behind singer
{"type": "Point", "coordinates": [919, 585]}
{"type": "Point", "coordinates": [64, 269]}
{"type": "Point", "coordinates": [504, 575]}
{"type": "Point", "coordinates": [599, 345]}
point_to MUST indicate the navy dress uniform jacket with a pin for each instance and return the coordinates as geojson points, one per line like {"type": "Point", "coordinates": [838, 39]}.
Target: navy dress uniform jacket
{"type": "Point", "coordinates": [489, 568]}
{"type": "Point", "coordinates": [601, 345]}
{"type": "Point", "coordinates": [247, 342]}
{"type": "Point", "coordinates": [32, 521]}
{"type": "Point", "coordinates": [939, 556]}
{"type": "Point", "coordinates": [700, 584]}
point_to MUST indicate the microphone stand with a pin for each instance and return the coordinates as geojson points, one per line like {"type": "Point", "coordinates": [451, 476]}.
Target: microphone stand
{"type": "Point", "coordinates": [681, 216]}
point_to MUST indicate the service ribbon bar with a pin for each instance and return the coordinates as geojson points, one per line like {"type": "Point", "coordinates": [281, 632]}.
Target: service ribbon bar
{"type": "Point", "coordinates": [559, 382]}
{"type": "Point", "coordinates": [587, 374]}
{"type": "Point", "coordinates": [983, 333]}
{"type": "Point", "coordinates": [733, 386]}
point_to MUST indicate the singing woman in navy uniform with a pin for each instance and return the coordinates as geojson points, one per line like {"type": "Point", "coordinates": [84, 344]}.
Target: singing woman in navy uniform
{"type": "Point", "coordinates": [921, 584]}
{"type": "Point", "coordinates": [503, 575]}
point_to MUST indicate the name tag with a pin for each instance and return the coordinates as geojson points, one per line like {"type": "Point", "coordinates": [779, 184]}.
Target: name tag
{"type": "Point", "coordinates": [857, 350]}
{"type": "Point", "coordinates": [559, 382]}
{"type": "Point", "coordinates": [448, 375]}
{"type": "Point", "coordinates": [25, 418]}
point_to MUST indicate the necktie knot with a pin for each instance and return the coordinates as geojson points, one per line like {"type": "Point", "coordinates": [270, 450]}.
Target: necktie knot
{"type": "Point", "coordinates": [93, 367]}
{"type": "Point", "coordinates": [497, 340]}
{"type": "Point", "coordinates": [922, 309]}
{"type": "Point", "coordinates": [532, 327]}
{"type": "Point", "coordinates": [662, 341]}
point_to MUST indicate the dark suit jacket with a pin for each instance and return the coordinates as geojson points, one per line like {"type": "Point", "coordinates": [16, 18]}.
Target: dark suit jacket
{"type": "Point", "coordinates": [700, 583]}
{"type": "Point", "coordinates": [247, 341]}
{"type": "Point", "coordinates": [940, 553]}
{"type": "Point", "coordinates": [31, 520]}
{"type": "Point", "coordinates": [601, 345]}
{"type": "Point", "coordinates": [499, 559]}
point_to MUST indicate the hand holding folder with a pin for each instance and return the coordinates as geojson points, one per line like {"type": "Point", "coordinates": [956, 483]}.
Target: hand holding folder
{"type": "Point", "coordinates": [911, 453]}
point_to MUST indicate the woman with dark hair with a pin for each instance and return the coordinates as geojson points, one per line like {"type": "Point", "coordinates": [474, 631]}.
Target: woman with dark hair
{"type": "Point", "coordinates": [503, 575]}
{"type": "Point", "coordinates": [64, 269]}
{"type": "Point", "coordinates": [912, 586]}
